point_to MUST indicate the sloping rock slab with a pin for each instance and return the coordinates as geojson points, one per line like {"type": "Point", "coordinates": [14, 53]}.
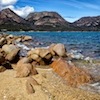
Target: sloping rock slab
{"type": "Point", "coordinates": [73, 75]}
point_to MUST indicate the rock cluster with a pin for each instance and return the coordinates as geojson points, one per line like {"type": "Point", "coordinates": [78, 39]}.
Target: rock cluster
{"type": "Point", "coordinates": [25, 66]}
{"type": "Point", "coordinates": [44, 55]}
{"type": "Point", "coordinates": [9, 51]}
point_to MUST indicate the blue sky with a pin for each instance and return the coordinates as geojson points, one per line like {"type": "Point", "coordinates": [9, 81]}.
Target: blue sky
{"type": "Point", "coordinates": [71, 10]}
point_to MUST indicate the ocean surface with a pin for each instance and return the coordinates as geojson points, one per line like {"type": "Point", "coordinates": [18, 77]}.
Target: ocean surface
{"type": "Point", "coordinates": [86, 43]}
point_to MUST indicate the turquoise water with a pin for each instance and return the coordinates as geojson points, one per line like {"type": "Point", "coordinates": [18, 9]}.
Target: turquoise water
{"type": "Point", "coordinates": [88, 43]}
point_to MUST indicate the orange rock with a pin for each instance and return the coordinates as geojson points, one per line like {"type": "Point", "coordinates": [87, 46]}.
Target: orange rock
{"type": "Point", "coordinates": [73, 75]}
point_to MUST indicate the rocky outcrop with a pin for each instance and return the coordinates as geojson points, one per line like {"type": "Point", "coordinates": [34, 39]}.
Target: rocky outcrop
{"type": "Point", "coordinates": [73, 75]}
{"type": "Point", "coordinates": [44, 55]}
{"type": "Point", "coordinates": [10, 51]}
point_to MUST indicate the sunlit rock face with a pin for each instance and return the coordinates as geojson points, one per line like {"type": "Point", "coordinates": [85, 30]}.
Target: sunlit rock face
{"type": "Point", "coordinates": [47, 19]}
{"type": "Point", "coordinates": [11, 21]}
{"type": "Point", "coordinates": [89, 23]}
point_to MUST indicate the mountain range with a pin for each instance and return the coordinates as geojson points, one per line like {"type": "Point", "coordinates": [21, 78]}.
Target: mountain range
{"type": "Point", "coordinates": [45, 21]}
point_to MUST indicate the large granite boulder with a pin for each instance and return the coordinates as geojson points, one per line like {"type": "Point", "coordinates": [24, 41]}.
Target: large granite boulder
{"type": "Point", "coordinates": [25, 68]}
{"type": "Point", "coordinates": [13, 55]}
{"type": "Point", "coordinates": [73, 75]}
{"type": "Point", "coordinates": [9, 48]}
{"type": "Point", "coordinates": [11, 52]}
{"type": "Point", "coordinates": [60, 49]}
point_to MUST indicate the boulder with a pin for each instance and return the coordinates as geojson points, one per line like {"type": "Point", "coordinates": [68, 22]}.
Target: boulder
{"type": "Point", "coordinates": [48, 56]}
{"type": "Point", "coordinates": [27, 38]}
{"type": "Point", "coordinates": [34, 51]}
{"type": "Point", "coordinates": [43, 52]}
{"type": "Point", "coordinates": [13, 55]}
{"type": "Point", "coordinates": [10, 41]}
{"type": "Point", "coordinates": [9, 48]}
{"type": "Point", "coordinates": [60, 49]}
{"type": "Point", "coordinates": [18, 40]}
{"type": "Point", "coordinates": [24, 60]}
{"type": "Point", "coordinates": [2, 68]}
{"type": "Point", "coordinates": [51, 49]}
{"type": "Point", "coordinates": [7, 65]}
{"type": "Point", "coordinates": [14, 66]}
{"type": "Point", "coordinates": [42, 62]}
{"type": "Point", "coordinates": [35, 57]}
{"type": "Point", "coordinates": [2, 59]}
{"type": "Point", "coordinates": [25, 68]}
{"type": "Point", "coordinates": [2, 41]}
{"type": "Point", "coordinates": [73, 75]}
{"type": "Point", "coordinates": [9, 36]}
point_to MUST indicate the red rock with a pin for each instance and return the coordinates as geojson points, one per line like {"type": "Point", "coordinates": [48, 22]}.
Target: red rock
{"type": "Point", "coordinates": [73, 75]}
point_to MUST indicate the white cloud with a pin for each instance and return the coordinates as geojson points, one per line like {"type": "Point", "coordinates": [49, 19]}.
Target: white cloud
{"type": "Point", "coordinates": [8, 2]}
{"type": "Point", "coordinates": [21, 11]}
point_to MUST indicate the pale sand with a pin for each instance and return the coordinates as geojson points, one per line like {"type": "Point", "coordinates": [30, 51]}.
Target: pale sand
{"type": "Point", "coordinates": [51, 87]}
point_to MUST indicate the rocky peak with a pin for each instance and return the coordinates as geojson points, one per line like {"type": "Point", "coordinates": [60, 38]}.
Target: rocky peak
{"type": "Point", "coordinates": [11, 21]}
{"type": "Point", "coordinates": [46, 18]}
{"type": "Point", "coordinates": [88, 21]}
{"type": "Point", "coordinates": [7, 14]}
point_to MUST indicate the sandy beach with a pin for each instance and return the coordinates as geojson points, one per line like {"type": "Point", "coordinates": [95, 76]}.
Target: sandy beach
{"type": "Point", "coordinates": [51, 87]}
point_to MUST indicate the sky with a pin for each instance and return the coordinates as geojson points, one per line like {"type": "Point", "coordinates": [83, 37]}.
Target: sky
{"type": "Point", "coordinates": [71, 10]}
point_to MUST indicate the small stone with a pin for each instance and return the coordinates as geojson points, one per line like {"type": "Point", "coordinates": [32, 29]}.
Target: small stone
{"type": "Point", "coordinates": [30, 85]}
{"type": "Point", "coordinates": [2, 68]}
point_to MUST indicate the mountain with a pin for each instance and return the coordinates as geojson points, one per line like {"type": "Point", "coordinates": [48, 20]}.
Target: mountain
{"type": "Point", "coordinates": [88, 23]}
{"type": "Point", "coordinates": [11, 21]}
{"type": "Point", "coordinates": [48, 21]}
{"type": "Point", "coordinates": [45, 21]}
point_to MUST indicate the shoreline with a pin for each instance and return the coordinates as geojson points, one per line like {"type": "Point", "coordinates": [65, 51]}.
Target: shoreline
{"type": "Point", "coordinates": [51, 31]}
{"type": "Point", "coordinates": [51, 83]}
